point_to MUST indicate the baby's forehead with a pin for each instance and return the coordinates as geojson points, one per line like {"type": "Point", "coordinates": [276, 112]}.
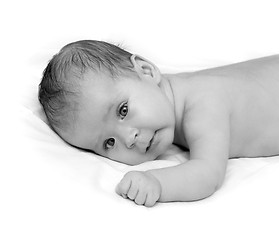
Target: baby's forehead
{"type": "Point", "coordinates": [102, 83]}
{"type": "Point", "coordinates": [98, 91]}
{"type": "Point", "coordinates": [101, 87]}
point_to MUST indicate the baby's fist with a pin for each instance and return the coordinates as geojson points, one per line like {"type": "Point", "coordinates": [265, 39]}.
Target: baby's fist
{"type": "Point", "coordinates": [141, 187]}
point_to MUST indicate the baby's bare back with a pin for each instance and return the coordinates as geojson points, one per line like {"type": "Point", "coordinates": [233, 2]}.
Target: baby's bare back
{"type": "Point", "coordinates": [255, 108]}
{"type": "Point", "coordinates": [251, 93]}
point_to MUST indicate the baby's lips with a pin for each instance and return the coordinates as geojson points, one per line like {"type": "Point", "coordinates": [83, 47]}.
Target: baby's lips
{"type": "Point", "coordinates": [142, 146]}
{"type": "Point", "coordinates": [144, 140]}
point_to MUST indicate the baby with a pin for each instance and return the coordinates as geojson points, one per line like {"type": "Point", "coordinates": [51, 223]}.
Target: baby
{"type": "Point", "coordinates": [102, 98]}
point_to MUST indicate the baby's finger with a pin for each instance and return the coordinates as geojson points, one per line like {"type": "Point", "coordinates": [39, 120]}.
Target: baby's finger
{"type": "Point", "coordinates": [140, 198]}
{"type": "Point", "coordinates": [124, 195]}
{"type": "Point", "coordinates": [150, 200]}
{"type": "Point", "coordinates": [123, 187]}
{"type": "Point", "coordinates": [133, 191]}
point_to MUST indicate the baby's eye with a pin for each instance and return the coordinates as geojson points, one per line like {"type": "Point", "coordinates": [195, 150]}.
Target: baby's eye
{"type": "Point", "coordinates": [123, 109]}
{"type": "Point", "coordinates": [109, 143]}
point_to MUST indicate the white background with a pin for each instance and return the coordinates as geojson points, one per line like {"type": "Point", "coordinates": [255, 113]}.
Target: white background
{"type": "Point", "coordinates": [183, 34]}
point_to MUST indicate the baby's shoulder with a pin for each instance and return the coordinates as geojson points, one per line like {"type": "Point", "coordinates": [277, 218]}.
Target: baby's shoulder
{"type": "Point", "coordinates": [202, 95]}
{"type": "Point", "coordinates": [201, 102]}
{"type": "Point", "coordinates": [201, 87]}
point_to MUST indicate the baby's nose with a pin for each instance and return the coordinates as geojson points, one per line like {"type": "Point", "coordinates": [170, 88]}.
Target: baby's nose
{"type": "Point", "coordinates": [131, 137]}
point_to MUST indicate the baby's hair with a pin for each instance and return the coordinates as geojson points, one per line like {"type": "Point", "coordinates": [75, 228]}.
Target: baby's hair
{"type": "Point", "coordinates": [59, 87]}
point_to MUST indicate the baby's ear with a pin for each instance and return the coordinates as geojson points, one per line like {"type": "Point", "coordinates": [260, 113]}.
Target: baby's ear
{"type": "Point", "coordinates": [145, 68]}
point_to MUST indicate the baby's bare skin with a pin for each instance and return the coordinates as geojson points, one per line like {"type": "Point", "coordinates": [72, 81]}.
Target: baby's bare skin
{"type": "Point", "coordinates": [248, 92]}
{"type": "Point", "coordinates": [221, 113]}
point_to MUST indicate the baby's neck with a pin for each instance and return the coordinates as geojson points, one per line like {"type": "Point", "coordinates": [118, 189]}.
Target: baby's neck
{"type": "Point", "coordinates": [173, 92]}
{"type": "Point", "coordinates": [166, 88]}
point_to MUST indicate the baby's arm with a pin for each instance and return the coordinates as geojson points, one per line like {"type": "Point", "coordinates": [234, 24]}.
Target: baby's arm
{"type": "Point", "coordinates": [206, 127]}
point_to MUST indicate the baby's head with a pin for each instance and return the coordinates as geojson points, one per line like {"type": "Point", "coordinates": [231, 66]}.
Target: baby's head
{"type": "Point", "coordinates": [99, 97]}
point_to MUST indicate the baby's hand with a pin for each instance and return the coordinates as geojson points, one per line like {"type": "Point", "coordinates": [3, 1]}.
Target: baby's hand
{"type": "Point", "coordinates": [141, 187]}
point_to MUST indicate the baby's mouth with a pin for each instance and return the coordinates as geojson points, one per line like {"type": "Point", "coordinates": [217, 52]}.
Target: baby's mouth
{"type": "Point", "coordinates": [150, 142]}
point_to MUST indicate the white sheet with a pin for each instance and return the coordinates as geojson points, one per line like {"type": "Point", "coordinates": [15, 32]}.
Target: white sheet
{"type": "Point", "coordinates": [50, 190]}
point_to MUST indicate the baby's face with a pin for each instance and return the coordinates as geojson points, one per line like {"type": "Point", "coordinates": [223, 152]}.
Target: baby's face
{"type": "Point", "coordinates": [129, 120]}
